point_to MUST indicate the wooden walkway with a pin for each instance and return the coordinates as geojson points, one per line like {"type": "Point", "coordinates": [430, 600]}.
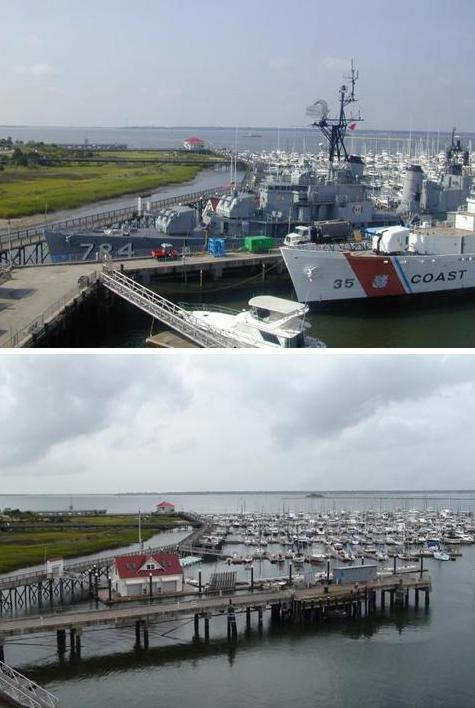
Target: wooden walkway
{"type": "Point", "coordinates": [286, 598]}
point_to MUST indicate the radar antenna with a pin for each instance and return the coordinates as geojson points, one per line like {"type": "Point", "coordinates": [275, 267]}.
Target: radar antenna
{"type": "Point", "coordinates": [334, 129]}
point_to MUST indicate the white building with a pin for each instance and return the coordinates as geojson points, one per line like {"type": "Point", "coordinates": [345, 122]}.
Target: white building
{"type": "Point", "coordinates": [147, 574]}
{"type": "Point", "coordinates": [165, 508]}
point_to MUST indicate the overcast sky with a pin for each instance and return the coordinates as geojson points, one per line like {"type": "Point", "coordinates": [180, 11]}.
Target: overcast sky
{"type": "Point", "coordinates": [252, 62]}
{"type": "Point", "coordinates": [81, 423]}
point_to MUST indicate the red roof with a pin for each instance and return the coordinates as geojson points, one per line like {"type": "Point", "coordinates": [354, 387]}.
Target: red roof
{"type": "Point", "coordinates": [194, 140]}
{"type": "Point", "coordinates": [166, 505]}
{"type": "Point", "coordinates": [134, 566]}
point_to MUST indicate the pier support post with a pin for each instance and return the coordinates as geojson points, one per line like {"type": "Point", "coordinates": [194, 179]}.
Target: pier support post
{"type": "Point", "coordinates": [406, 598]}
{"type": "Point", "coordinates": [427, 598]}
{"type": "Point", "coordinates": [252, 578]}
{"type": "Point", "coordinates": [61, 640]}
{"type": "Point", "coordinates": [197, 626]}
{"type": "Point", "coordinates": [416, 597]}
{"type": "Point", "coordinates": [201, 278]}
{"type": "Point", "coordinates": [263, 271]}
{"type": "Point", "coordinates": [206, 628]}
{"type": "Point", "coordinates": [78, 642]}
{"type": "Point", "coordinates": [137, 633]}
{"type": "Point", "coordinates": [391, 599]}
{"type": "Point", "coordinates": [232, 628]}
{"type": "Point", "coordinates": [394, 566]}
{"type": "Point", "coordinates": [422, 565]}
{"type": "Point", "coordinates": [328, 571]}
{"type": "Point", "coordinates": [259, 617]}
{"type": "Point", "coordinates": [382, 599]}
{"type": "Point", "coordinates": [2, 648]}
{"type": "Point", "coordinates": [145, 634]}
{"type": "Point", "coordinates": [72, 640]}
{"type": "Point", "coordinates": [248, 618]}
{"type": "Point", "coordinates": [200, 586]}
{"type": "Point", "coordinates": [290, 572]}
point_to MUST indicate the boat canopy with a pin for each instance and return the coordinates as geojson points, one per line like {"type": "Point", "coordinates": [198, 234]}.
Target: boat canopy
{"type": "Point", "coordinates": [277, 304]}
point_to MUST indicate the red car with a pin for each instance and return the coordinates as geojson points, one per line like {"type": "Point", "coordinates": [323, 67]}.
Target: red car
{"type": "Point", "coordinates": [166, 251]}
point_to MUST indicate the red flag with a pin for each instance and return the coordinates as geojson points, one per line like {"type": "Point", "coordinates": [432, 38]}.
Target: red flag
{"type": "Point", "coordinates": [352, 126]}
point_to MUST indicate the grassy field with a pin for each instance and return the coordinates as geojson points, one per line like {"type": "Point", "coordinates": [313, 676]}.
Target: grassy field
{"type": "Point", "coordinates": [21, 549]}
{"type": "Point", "coordinates": [29, 190]}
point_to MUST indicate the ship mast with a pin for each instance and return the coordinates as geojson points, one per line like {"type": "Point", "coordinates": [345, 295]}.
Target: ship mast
{"type": "Point", "coordinates": [334, 129]}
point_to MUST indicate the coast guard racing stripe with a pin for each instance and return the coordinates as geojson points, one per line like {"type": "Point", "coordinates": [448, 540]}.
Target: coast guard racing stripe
{"type": "Point", "coordinates": [376, 275]}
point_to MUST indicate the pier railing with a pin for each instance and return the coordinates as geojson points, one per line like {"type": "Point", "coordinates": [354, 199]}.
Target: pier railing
{"type": "Point", "coordinates": [23, 237]}
{"type": "Point", "coordinates": [23, 692]}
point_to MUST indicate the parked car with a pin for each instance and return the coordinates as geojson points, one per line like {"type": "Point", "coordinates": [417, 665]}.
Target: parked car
{"type": "Point", "coordinates": [166, 251]}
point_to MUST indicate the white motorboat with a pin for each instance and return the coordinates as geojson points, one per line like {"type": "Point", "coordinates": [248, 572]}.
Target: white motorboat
{"type": "Point", "coordinates": [270, 322]}
{"type": "Point", "coordinates": [441, 556]}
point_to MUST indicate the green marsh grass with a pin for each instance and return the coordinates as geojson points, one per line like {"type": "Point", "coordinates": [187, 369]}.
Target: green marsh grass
{"type": "Point", "coordinates": [25, 191]}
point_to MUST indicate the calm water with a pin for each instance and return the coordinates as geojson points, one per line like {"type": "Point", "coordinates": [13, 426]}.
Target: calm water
{"type": "Point", "coordinates": [442, 321]}
{"type": "Point", "coordinates": [407, 658]}
{"type": "Point", "coordinates": [243, 138]}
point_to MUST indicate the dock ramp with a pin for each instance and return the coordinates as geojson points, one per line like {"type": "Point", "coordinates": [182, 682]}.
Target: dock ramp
{"type": "Point", "coordinates": [177, 318]}
{"type": "Point", "coordinates": [18, 690]}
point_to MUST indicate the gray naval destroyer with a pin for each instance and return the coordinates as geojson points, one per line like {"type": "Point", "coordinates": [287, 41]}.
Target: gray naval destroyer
{"type": "Point", "coordinates": [273, 207]}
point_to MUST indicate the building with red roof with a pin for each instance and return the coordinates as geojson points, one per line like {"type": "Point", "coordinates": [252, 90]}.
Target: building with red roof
{"type": "Point", "coordinates": [194, 144]}
{"type": "Point", "coordinates": [147, 574]}
{"type": "Point", "coordinates": [165, 508]}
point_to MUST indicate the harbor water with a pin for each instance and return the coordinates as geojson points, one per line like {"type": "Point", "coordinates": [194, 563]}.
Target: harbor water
{"type": "Point", "coordinates": [255, 139]}
{"type": "Point", "coordinates": [413, 657]}
{"type": "Point", "coordinates": [432, 321]}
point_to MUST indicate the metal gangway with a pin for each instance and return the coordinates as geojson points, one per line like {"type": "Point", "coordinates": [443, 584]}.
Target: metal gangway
{"type": "Point", "coordinates": [167, 312]}
{"type": "Point", "coordinates": [20, 691]}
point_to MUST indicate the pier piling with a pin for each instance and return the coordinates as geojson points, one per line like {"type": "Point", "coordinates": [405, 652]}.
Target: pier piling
{"type": "Point", "coordinates": [61, 641]}
{"type": "Point", "coordinates": [232, 628]}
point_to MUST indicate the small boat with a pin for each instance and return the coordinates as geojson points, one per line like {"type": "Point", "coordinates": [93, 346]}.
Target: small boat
{"type": "Point", "coordinates": [441, 556]}
{"type": "Point", "coordinates": [271, 322]}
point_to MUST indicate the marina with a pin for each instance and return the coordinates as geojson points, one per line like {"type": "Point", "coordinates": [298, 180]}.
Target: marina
{"type": "Point", "coordinates": [281, 612]}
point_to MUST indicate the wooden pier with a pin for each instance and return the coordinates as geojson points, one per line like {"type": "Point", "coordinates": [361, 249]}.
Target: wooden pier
{"type": "Point", "coordinates": [287, 603]}
{"type": "Point", "coordinates": [38, 299]}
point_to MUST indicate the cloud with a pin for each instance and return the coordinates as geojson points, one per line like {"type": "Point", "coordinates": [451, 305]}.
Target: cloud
{"type": "Point", "coordinates": [235, 420]}
{"type": "Point", "coordinates": [279, 63]}
{"type": "Point", "coordinates": [35, 70]}
{"type": "Point", "coordinates": [335, 64]}
{"type": "Point", "coordinates": [51, 400]}
{"type": "Point", "coordinates": [34, 41]}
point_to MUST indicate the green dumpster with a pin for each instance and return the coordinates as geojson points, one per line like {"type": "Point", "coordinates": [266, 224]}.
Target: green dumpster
{"type": "Point", "coordinates": [258, 244]}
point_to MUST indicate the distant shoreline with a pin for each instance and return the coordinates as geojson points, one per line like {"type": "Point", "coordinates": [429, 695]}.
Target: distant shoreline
{"type": "Point", "coordinates": [361, 131]}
